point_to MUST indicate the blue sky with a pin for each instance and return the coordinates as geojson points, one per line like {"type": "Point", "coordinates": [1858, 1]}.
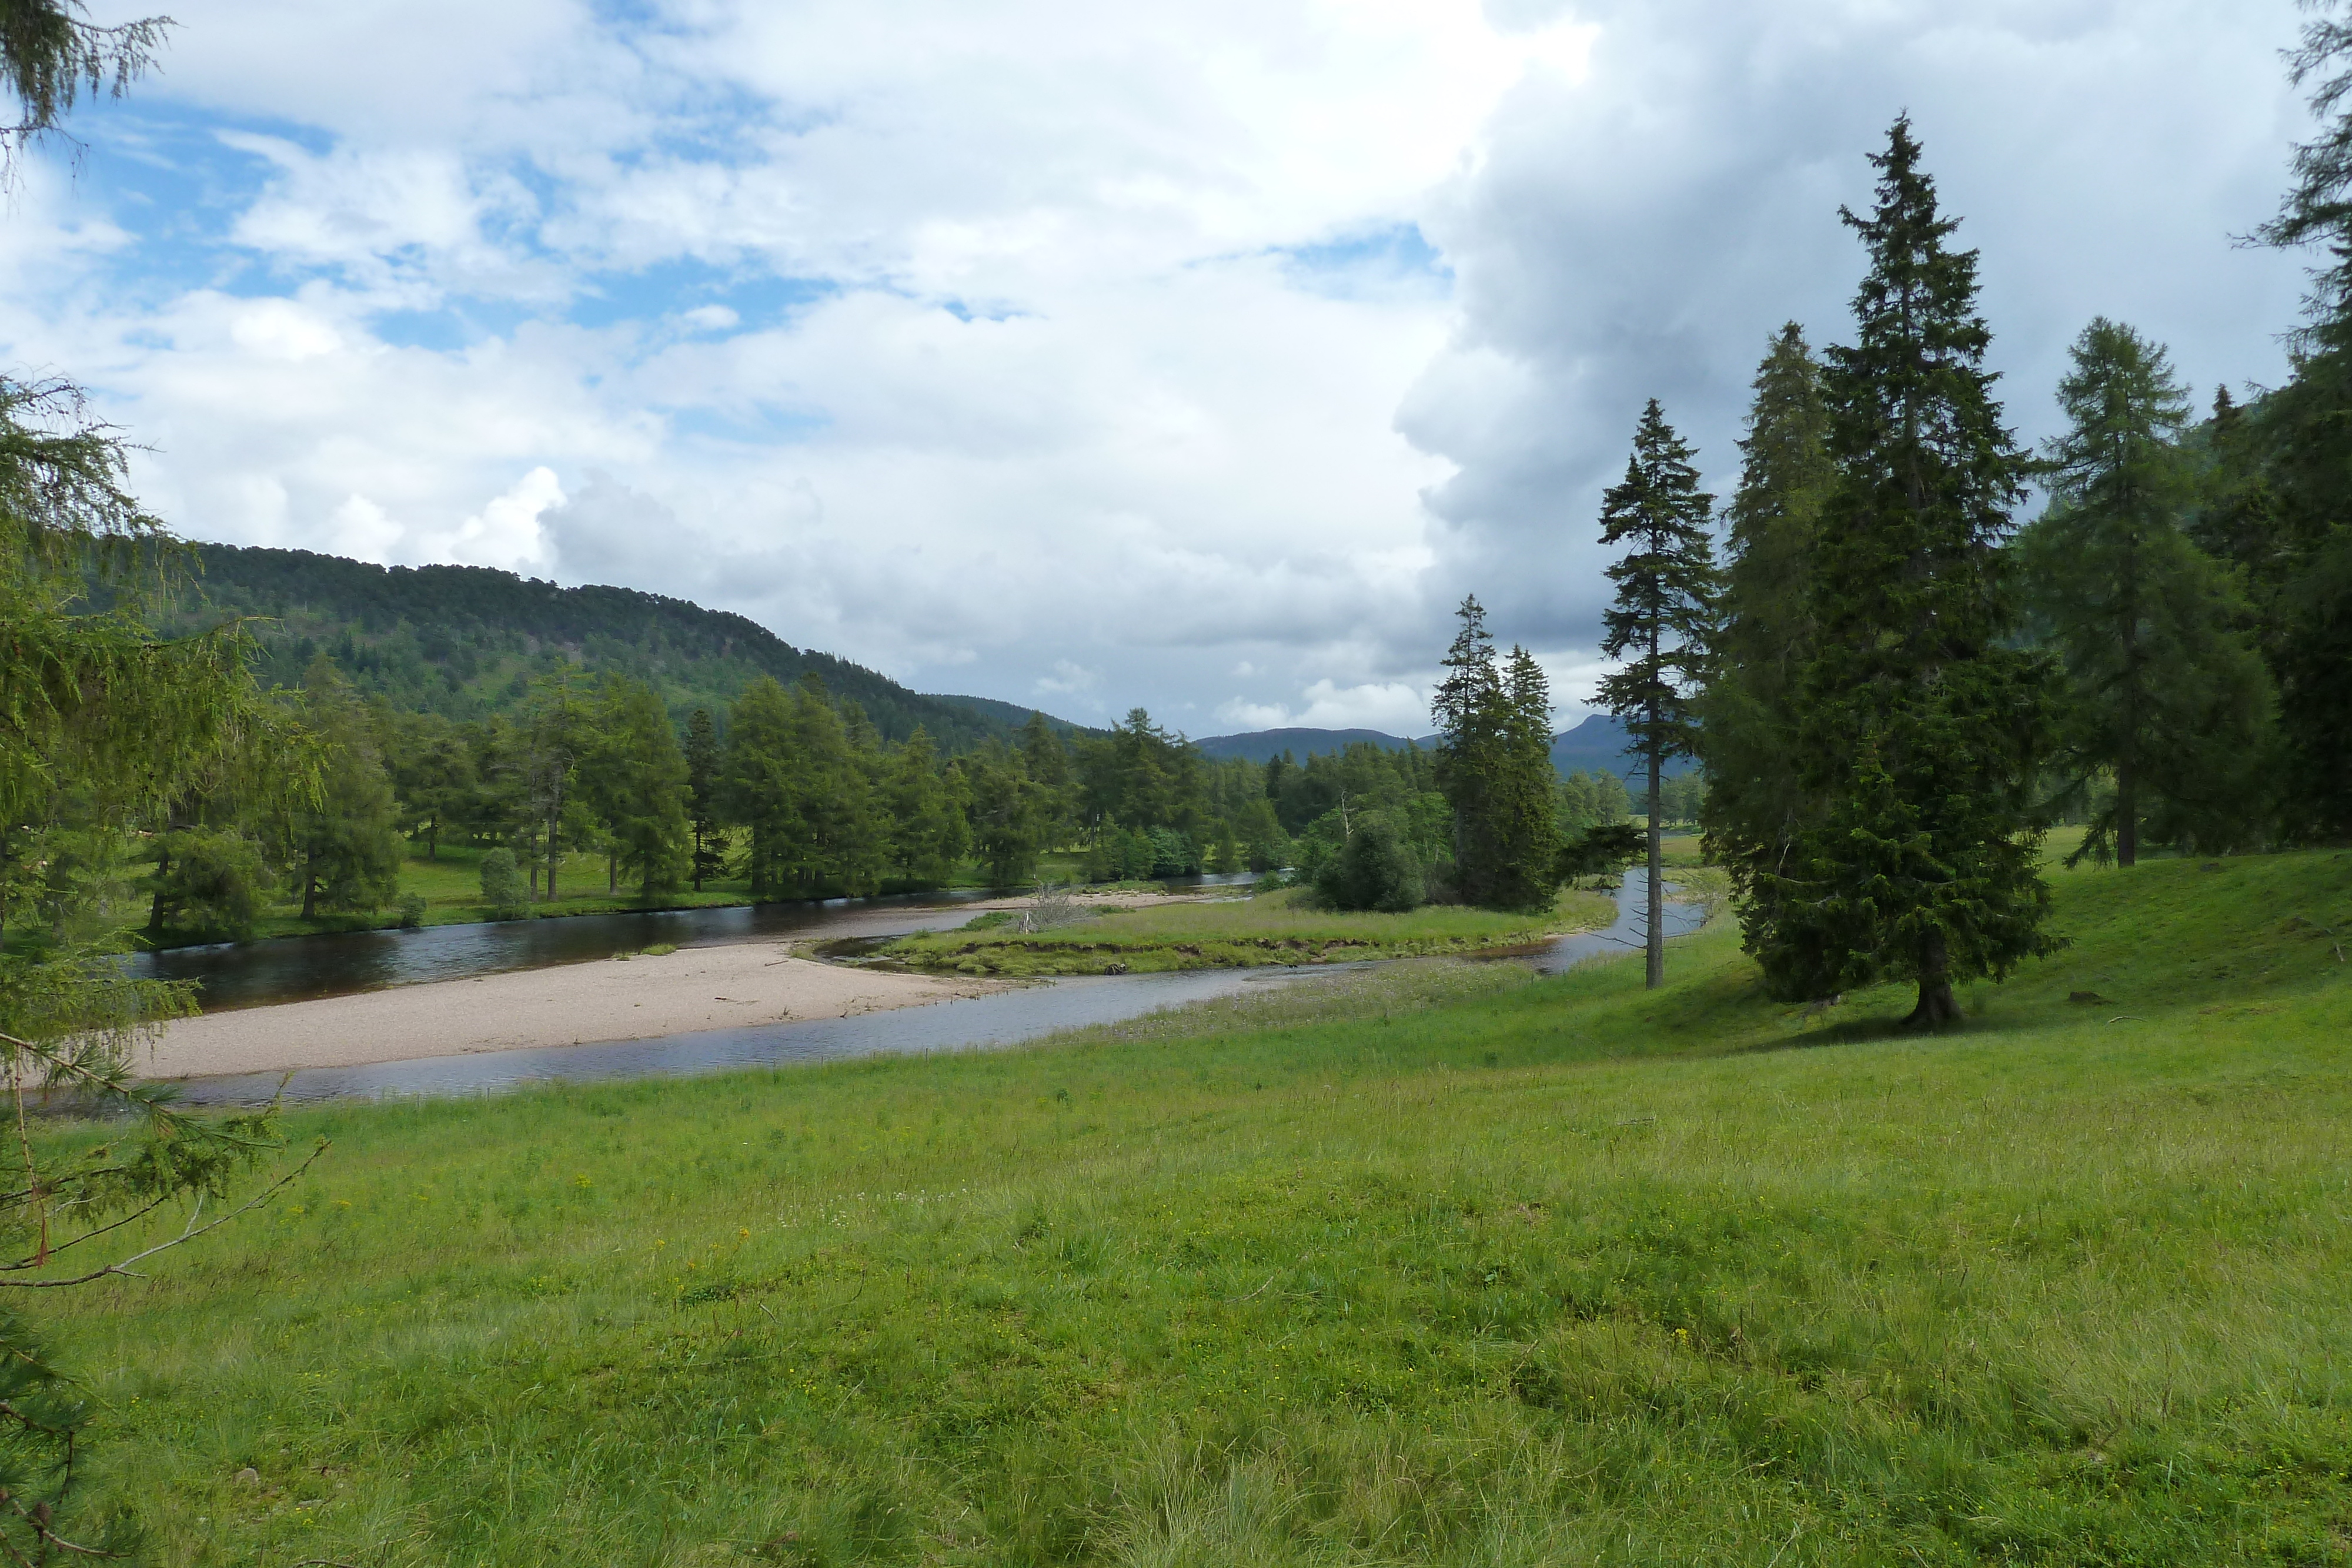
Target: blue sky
{"type": "Point", "coordinates": [1085, 355]}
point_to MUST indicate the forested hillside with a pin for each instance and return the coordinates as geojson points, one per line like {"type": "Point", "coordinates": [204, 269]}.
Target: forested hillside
{"type": "Point", "coordinates": [465, 641]}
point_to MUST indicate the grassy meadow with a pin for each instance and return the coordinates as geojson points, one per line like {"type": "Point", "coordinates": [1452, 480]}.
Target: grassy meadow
{"type": "Point", "coordinates": [1433, 1263]}
{"type": "Point", "coordinates": [1280, 928]}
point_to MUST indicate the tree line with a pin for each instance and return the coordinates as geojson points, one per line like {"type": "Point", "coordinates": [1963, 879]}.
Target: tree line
{"type": "Point", "coordinates": [1894, 689]}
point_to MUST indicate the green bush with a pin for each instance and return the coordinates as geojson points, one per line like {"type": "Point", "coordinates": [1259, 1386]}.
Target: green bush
{"type": "Point", "coordinates": [411, 909]}
{"type": "Point", "coordinates": [210, 883]}
{"type": "Point", "coordinates": [502, 884]}
{"type": "Point", "coordinates": [1374, 869]}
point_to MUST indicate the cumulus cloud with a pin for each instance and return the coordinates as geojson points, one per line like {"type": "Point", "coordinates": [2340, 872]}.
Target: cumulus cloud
{"type": "Point", "coordinates": [506, 533]}
{"type": "Point", "coordinates": [1097, 355]}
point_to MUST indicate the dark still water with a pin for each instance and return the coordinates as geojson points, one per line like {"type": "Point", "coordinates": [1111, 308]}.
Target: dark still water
{"type": "Point", "coordinates": [1007, 1018]}
{"type": "Point", "coordinates": [298, 969]}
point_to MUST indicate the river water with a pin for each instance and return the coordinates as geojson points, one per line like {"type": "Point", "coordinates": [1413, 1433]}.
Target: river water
{"type": "Point", "coordinates": [301, 969]}
{"type": "Point", "coordinates": [1004, 1018]}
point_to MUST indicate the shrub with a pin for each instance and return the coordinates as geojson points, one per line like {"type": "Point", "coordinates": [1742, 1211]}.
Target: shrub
{"type": "Point", "coordinates": [1374, 869]}
{"type": "Point", "coordinates": [502, 884]}
{"type": "Point", "coordinates": [411, 909]}
{"type": "Point", "coordinates": [211, 883]}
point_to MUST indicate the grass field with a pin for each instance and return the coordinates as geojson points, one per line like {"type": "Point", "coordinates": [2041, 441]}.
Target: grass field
{"type": "Point", "coordinates": [1434, 1263]}
{"type": "Point", "coordinates": [1280, 927]}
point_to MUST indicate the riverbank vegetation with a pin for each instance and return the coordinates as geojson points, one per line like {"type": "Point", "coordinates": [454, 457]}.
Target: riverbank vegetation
{"type": "Point", "coordinates": [1431, 1263]}
{"type": "Point", "coordinates": [1288, 927]}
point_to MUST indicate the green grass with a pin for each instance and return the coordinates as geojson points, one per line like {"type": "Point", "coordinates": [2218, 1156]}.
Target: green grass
{"type": "Point", "coordinates": [1281, 927]}
{"type": "Point", "coordinates": [1433, 1263]}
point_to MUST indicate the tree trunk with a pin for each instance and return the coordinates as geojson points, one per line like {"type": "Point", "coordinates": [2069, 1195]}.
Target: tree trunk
{"type": "Point", "coordinates": [309, 888]}
{"type": "Point", "coordinates": [2127, 811]}
{"type": "Point", "coordinates": [552, 852]}
{"type": "Point", "coordinates": [612, 875]}
{"type": "Point", "coordinates": [1936, 1006]}
{"type": "Point", "coordinates": [1657, 916]}
{"type": "Point", "coordinates": [162, 873]}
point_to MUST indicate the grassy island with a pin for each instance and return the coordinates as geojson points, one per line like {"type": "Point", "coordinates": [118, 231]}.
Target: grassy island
{"type": "Point", "coordinates": [1278, 927]}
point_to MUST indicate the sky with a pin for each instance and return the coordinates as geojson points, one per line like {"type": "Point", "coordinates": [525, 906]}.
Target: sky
{"type": "Point", "coordinates": [1087, 356]}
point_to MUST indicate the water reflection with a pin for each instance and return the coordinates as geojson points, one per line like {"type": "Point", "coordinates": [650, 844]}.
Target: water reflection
{"type": "Point", "coordinates": [1007, 1018]}
{"type": "Point", "coordinates": [300, 969]}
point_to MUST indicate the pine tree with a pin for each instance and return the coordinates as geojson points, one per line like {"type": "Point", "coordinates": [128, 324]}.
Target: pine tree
{"type": "Point", "coordinates": [2304, 423]}
{"type": "Point", "coordinates": [1048, 766]}
{"type": "Point", "coordinates": [1763, 636]}
{"type": "Point", "coordinates": [1008, 813]}
{"type": "Point", "coordinates": [1921, 733]}
{"type": "Point", "coordinates": [1659, 624]}
{"type": "Point", "coordinates": [927, 834]}
{"type": "Point", "coordinates": [2165, 692]}
{"type": "Point", "coordinates": [1493, 766]}
{"type": "Point", "coordinates": [345, 847]}
{"type": "Point", "coordinates": [755, 781]}
{"type": "Point", "coordinates": [703, 798]}
{"type": "Point", "coordinates": [1524, 829]}
{"type": "Point", "coordinates": [642, 787]}
{"type": "Point", "coordinates": [1467, 710]}
{"type": "Point", "coordinates": [553, 737]}
{"type": "Point", "coordinates": [836, 838]}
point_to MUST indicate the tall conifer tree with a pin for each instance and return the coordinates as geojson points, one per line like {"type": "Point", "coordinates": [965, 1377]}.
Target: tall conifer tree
{"type": "Point", "coordinates": [1921, 733]}
{"type": "Point", "coordinates": [1763, 636]}
{"type": "Point", "coordinates": [755, 781]}
{"type": "Point", "coordinates": [642, 787]}
{"type": "Point", "coordinates": [2306, 422]}
{"type": "Point", "coordinates": [2166, 695]}
{"type": "Point", "coordinates": [1493, 766]}
{"type": "Point", "coordinates": [1659, 624]}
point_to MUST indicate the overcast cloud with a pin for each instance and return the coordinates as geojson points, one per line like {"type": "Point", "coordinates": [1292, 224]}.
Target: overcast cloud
{"type": "Point", "coordinates": [1087, 356]}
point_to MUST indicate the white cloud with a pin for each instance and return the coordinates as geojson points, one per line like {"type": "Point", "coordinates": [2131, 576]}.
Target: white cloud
{"type": "Point", "coordinates": [363, 530]}
{"type": "Point", "coordinates": [1102, 342]}
{"type": "Point", "coordinates": [506, 533]}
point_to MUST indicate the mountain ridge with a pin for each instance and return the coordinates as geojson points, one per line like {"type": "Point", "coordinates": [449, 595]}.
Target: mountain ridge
{"type": "Point", "coordinates": [1596, 745]}
{"type": "Point", "coordinates": [467, 641]}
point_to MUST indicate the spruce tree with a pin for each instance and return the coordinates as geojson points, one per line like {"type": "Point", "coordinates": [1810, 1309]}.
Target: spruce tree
{"type": "Point", "coordinates": [1763, 636]}
{"type": "Point", "coordinates": [2165, 694]}
{"type": "Point", "coordinates": [1467, 710]}
{"type": "Point", "coordinates": [1493, 766]}
{"type": "Point", "coordinates": [1658, 626]}
{"type": "Point", "coordinates": [1920, 731]}
{"type": "Point", "coordinates": [2304, 424]}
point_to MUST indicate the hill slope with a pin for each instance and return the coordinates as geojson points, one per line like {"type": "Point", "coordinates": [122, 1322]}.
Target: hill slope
{"type": "Point", "coordinates": [1595, 746]}
{"type": "Point", "coordinates": [466, 641]}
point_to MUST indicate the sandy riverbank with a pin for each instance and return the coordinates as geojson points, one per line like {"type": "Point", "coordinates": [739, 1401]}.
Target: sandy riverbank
{"type": "Point", "coordinates": [571, 1003]}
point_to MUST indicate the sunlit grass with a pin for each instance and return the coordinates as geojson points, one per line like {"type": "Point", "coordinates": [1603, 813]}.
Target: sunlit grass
{"type": "Point", "coordinates": [1432, 1263]}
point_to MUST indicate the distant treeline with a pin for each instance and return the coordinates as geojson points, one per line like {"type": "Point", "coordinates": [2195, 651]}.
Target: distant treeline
{"type": "Point", "coordinates": [467, 642]}
{"type": "Point", "coordinates": [789, 790]}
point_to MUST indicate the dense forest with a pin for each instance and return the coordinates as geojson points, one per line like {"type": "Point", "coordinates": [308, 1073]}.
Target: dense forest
{"type": "Point", "coordinates": [467, 642]}
{"type": "Point", "coordinates": [788, 790]}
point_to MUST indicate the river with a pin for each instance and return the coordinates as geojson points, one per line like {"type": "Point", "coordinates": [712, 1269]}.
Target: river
{"type": "Point", "coordinates": [1006, 1018]}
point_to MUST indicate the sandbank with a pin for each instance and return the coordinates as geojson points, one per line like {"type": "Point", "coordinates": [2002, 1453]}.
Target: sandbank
{"type": "Point", "coordinates": [568, 1004]}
